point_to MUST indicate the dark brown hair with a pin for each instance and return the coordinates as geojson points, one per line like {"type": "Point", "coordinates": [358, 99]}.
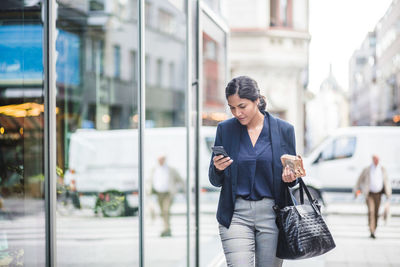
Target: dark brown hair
{"type": "Point", "coordinates": [247, 88]}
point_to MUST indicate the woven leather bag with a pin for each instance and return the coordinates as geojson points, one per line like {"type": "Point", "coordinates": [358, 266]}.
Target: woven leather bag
{"type": "Point", "coordinates": [303, 232]}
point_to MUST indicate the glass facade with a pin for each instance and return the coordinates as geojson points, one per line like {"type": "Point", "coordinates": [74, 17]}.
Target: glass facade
{"type": "Point", "coordinates": [165, 134]}
{"type": "Point", "coordinates": [101, 175]}
{"type": "Point", "coordinates": [214, 72]}
{"type": "Point", "coordinates": [22, 205]}
{"type": "Point", "coordinates": [97, 133]}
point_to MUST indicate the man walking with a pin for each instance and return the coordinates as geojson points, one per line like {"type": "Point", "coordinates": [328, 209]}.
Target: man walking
{"type": "Point", "coordinates": [165, 181]}
{"type": "Point", "coordinates": [372, 183]}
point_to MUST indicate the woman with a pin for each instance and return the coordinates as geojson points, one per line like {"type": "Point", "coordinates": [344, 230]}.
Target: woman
{"type": "Point", "coordinates": [251, 177]}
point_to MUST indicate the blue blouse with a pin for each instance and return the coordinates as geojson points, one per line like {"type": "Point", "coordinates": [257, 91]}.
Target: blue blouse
{"type": "Point", "coordinates": [255, 179]}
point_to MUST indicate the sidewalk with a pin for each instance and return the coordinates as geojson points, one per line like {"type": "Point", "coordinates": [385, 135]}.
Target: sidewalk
{"type": "Point", "coordinates": [358, 208]}
{"type": "Point", "coordinates": [354, 248]}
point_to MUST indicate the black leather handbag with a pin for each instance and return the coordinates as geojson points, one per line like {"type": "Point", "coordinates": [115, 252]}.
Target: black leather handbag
{"type": "Point", "coordinates": [303, 232]}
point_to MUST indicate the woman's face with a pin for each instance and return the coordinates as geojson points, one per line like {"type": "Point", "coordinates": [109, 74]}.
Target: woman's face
{"type": "Point", "coordinates": [242, 108]}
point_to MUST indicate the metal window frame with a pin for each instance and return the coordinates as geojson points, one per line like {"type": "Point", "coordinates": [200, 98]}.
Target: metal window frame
{"type": "Point", "coordinates": [188, 122]}
{"type": "Point", "coordinates": [213, 16]}
{"type": "Point", "coordinates": [49, 66]}
{"type": "Point", "coordinates": [141, 125]}
{"type": "Point", "coordinates": [199, 84]}
{"type": "Point", "coordinates": [203, 8]}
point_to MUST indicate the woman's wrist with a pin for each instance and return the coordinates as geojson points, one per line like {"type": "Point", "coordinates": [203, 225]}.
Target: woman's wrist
{"type": "Point", "coordinates": [218, 171]}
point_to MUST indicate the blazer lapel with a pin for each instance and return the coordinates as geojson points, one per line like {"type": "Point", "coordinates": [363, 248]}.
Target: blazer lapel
{"type": "Point", "coordinates": [276, 153]}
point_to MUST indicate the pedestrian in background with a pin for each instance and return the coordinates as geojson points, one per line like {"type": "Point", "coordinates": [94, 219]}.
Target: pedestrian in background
{"type": "Point", "coordinates": [251, 176]}
{"type": "Point", "coordinates": [372, 183]}
{"type": "Point", "coordinates": [165, 182]}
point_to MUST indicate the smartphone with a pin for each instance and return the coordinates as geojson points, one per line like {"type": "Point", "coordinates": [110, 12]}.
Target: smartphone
{"type": "Point", "coordinates": [219, 150]}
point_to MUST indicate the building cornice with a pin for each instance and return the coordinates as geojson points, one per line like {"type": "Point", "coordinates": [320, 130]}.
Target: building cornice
{"type": "Point", "coordinates": [271, 32]}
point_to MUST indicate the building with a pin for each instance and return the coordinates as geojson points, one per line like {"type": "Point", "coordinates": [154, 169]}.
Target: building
{"type": "Point", "coordinates": [105, 67]}
{"type": "Point", "coordinates": [362, 82]}
{"type": "Point", "coordinates": [388, 66]}
{"type": "Point", "coordinates": [327, 111]}
{"type": "Point", "coordinates": [374, 74]}
{"type": "Point", "coordinates": [270, 43]}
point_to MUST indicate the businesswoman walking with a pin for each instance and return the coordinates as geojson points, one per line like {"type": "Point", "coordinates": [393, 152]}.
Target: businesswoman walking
{"type": "Point", "coordinates": [251, 177]}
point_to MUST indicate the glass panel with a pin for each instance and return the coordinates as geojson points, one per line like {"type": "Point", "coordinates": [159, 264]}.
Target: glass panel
{"type": "Point", "coordinates": [22, 212]}
{"type": "Point", "coordinates": [193, 113]}
{"type": "Point", "coordinates": [214, 73]}
{"type": "Point", "coordinates": [97, 138]}
{"type": "Point", "coordinates": [165, 134]}
{"type": "Point", "coordinates": [214, 110]}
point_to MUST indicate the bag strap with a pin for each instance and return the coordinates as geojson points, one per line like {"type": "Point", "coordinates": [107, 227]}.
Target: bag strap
{"type": "Point", "coordinates": [311, 200]}
{"type": "Point", "coordinates": [289, 198]}
{"type": "Point", "coordinates": [301, 191]}
{"type": "Point", "coordinates": [304, 188]}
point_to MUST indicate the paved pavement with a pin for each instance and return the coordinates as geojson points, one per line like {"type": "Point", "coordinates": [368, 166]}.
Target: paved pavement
{"type": "Point", "coordinates": [353, 245]}
{"type": "Point", "coordinates": [86, 240]}
{"type": "Point", "coordinates": [355, 248]}
{"type": "Point", "coordinates": [348, 224]}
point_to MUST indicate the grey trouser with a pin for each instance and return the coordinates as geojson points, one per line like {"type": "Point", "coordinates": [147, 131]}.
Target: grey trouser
{"type": "Point", "coordinates": [252, 235]}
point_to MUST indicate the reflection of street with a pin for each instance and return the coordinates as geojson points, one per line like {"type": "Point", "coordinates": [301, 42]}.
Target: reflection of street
{"type": "Point", "coordinates": [110, 241]}
{"type": "Point", "coordinates": [114, 241]}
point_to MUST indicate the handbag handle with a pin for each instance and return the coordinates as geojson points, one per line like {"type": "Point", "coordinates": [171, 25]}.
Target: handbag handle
{"type": "Point", "coordinates": [302, 188]}
{"type": "Point", "coordinates": [292, 199]}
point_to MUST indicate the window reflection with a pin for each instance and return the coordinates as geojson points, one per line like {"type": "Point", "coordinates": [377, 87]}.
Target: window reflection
{"type": "Point", "coordinates": [97, 155]}
{"type": "Point", "coordinates": [213, 108]}
{"type": "Point", "coordinates": [214, 72]}
{"type": "Point", "coordinates": [22, 227]}
{"type": "Point", "coordinates": [165, 134]}
{"type": "Point", "coordinates": [165, 47]}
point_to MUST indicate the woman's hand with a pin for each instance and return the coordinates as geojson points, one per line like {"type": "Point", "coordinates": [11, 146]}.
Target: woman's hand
{"type": "Point", "coordinates": [288, 175]}
{"type": "Point", "coordinates": [221, 162]}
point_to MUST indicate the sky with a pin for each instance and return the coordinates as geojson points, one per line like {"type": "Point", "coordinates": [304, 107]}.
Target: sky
{"type": "Point", "coordinates": [337, 29]}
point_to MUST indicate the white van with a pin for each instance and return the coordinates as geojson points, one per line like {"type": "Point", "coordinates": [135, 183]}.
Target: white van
{"type": "Point", "coordinates": [104, 164]}
{"type": "Point", "coordinates": [335, 164]}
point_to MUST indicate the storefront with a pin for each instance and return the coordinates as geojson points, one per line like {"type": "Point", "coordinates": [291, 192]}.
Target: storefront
{"type": "Point", "coordinates": [93, 94]}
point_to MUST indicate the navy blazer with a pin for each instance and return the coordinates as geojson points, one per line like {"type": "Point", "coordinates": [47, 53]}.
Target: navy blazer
{"type": "Point", "coordinates": [228, 135]}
